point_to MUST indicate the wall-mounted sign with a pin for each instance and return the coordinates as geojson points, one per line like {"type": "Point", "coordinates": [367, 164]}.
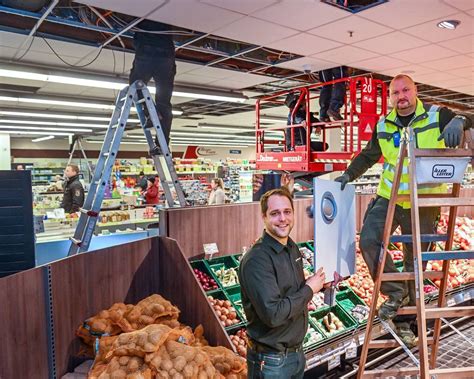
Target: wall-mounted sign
{"type": "Point", "coordinates": [235, 151]}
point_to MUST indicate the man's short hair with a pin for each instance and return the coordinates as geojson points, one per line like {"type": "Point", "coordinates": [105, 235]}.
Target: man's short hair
{"type": "Point", "coordinates": [74, 167]}
{"type": "Point", "coordinates": [283, 191]}
{"type": "Point", "coordinates": [403, 76]}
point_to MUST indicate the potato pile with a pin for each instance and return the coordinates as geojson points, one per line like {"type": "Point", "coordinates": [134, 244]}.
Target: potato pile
{"type": "Point", "coordinates": [334, 326]}
{"type": "Point", "coordinates": [163, 348]}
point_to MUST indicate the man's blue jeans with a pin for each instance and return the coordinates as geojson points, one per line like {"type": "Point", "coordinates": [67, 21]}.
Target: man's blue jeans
{"type": "Point", "coordinates": [275, 365]}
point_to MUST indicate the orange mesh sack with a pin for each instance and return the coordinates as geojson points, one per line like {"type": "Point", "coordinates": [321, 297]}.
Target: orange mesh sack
{"type": "Point", "coordinates": [139, 343]}
{"type": "Point", "coordinates": [226, 361]}
{"type": "Point", "coordinates": [149, 310]}
{"type": "Point", "coordinates": [105, 323]}
{"type": "Point", "coordinates": [199, 339]}
{"type": "Point", "coordinates": [124, 367]}
{"type": "Point", "coordinates": [176, 360]}
{"type": "Point", "coordinates": [104, 346]}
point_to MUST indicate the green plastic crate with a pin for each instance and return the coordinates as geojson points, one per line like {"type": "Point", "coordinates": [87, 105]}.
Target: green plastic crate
{"type": "Point", "coordinates": [237, 258]}
{"type": "Point", "coordinates": [202, 266]}
{"type": "Point", "coordinates": [309, 346]}
{"type": "Point", "coordinates": [226, 262]}
{"type": "Point", "coordinates": [317, 317]}
{"type": "Point", "coordinates": [310, 245]}
{"type": "Point", "coordinates": [221, 295]}
{"type": "Point", "coordinates": [234, 295]}
{"type": "Point", "coordinates": [347, 300]}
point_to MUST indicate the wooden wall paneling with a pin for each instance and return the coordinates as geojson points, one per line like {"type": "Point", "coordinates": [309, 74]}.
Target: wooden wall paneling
{"type": "Point", "coordinates": [178, 282]}
{"type": "Point", "coordinates": [230, 226]}
{"type": "Point", "coordinates": [85, 284]}
{"type": "Point", "coordinates": [24, 352]}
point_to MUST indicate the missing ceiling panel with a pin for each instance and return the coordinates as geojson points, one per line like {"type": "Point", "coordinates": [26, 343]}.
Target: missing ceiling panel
{"type": "Point", "coordinates": [354, 6]}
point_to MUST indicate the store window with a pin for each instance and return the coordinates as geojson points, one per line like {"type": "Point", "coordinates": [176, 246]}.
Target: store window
{"type": "Point", "coordinates": [354, 6]}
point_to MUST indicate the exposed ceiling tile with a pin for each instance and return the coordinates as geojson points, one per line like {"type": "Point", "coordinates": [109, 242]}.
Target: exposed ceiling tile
{"type": "Point", "coordinates": [230, 84]}
{"type": "Point", "coordinates": [378, 64]}
{"type": "Point", "coordinates": [464, 89]}
{"type": "Point", "coordinates": [390, 43]}
{"type": "Point", "coordinates": [304, 44]}
{"type": "Point", "coordinates": [361, 29]}
{"type": "Point", "coordinates": [184, 67]}
{"type": "Point", "coordinates": [423, 53]}
{"type": "Point", "coordinates": [193, 79]}
{"type": "Point", "coordinates": [13, 40]}
{"type": "Point", "coordinates": [304, 63]}
{"type": "Point", "coordinates": [450, 63]}
{"type": "Point", "coordinates": [255, 31]}
{"type": "Point", "coordinates": [301, 15]}
{"type": "Point", "coordinates": [431, 32]}
{"type": "Point", "coordinates": [248, 78]}
{"type": "Point", "coordinates": [94, 93]}
{"type": "Point", "coordinates": [471, 12]}
{"type": "Point", "coordinates": [396, 14]}
{"type": "Point", "coordinates": [453, 82]}
{"type": "Point", "coordinates": [242, 6]}
{"type": "Point", "coordinates": [126, 6]}
{"type": "Point", "coordinates": [197, 16]}
{"type": "Point", "coordinates": [345, 55]}
{"type": "Point", "coordinates": [434, 77]}
{"type": "Point", "coordinates": [411, 70]}
{"type": "Point", "coordinates": [210, 72]}
{"type": "Point", "coordinates": [461, 45]}
{"type": "Point", "coordinates": [463, 72]}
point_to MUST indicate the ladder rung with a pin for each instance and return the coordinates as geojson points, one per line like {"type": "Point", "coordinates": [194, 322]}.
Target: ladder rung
{"type": "Point", "coordinates": [411, 310]}
{"type": "Point", "coordinates": [105, 154]}
{"type": "Point", "coordinates": [449, 373]}
{"type": "Point", "coordinates": [437, 201]}
{"type": "Point", "coordinates": [76, 241]}
{"type": "Point", "coordinates": [89, 213]}
{"type": "Point", "coordinates": [445, 255]}
{"type": "Point", "coordinates": [396, 276]}
{"type": "Point", "coordinates": [142, 100]}
{"type": "Point", "coordinates": [467, 153]}
{"type": "Point", "coordinates": [389, 343]}
{"type": "Point", "coordinates": [433, 312]}
{"type": "Point", "coordinates": [424, 238]}
{"type": "Point", "coordinates": [395, 372]}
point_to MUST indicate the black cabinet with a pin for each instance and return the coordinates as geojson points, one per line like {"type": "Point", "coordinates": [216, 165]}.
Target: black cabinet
{"type": "Point", "coordinates": [17, 240]}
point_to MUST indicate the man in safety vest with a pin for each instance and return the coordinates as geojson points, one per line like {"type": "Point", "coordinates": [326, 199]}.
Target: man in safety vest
{"type": "Point", "coordinates": [434, 127]}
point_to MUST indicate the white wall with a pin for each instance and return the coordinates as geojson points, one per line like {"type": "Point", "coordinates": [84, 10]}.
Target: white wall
{"type": "Point", "coordinates": [5, 152]}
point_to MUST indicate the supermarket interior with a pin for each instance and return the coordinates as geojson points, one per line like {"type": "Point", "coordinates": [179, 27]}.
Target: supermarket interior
{"type": "Point", "coordinates": [138, 143]}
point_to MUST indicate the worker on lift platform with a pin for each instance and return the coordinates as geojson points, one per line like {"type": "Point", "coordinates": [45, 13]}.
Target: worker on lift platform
{"type": "Point", "coordinates": [299, 117]}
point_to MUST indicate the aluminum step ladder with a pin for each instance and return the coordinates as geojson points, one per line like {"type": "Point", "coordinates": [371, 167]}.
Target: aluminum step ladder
{"type": "Point", "coordinates": [425, 365]}
{"type": "Point", "coordinates": [136, 94]}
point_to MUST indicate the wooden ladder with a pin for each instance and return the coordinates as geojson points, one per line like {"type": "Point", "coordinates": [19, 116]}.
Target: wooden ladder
{"type": "Point", "coordinates": [427, 361]}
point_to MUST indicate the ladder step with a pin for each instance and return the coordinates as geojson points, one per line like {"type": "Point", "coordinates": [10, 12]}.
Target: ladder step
{"type": "Point", "coordinates": [440, 373]}
{"type": "Point", "coordinates": [407, 238]}
{"type": "Point", "coordinates": [401, 276]}
{"type": "Point", "coordinates": [105, 154]}
{"type": "Point", "coordinates": [75, 241]}
{"type": "Point", "coordinates": [89, 212]}
{"type": "Point", "coordinates": [449, 373]}
{"type": "Point", "coordinates": [390, 343]}
{"type": "Point", "coordinates": [438, 201]}
{"type": "Point", "coordinates": [467, 153]}
{"type": "Point", "coordinates": [445, 255]}
{"type": "Point", "coordinates": [436, 312]}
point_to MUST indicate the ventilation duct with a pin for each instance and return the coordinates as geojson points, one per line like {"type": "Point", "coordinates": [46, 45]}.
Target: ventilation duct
{"type": "Point", "coordinates": [26, 5]}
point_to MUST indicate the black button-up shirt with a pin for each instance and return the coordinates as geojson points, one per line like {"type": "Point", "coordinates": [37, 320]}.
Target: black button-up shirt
{"type": "Point", "coordinates": [274, 294]}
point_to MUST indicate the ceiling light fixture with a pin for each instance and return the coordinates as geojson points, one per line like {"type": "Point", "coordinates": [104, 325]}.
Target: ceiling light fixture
{"type": "Point", "coordinates": [234, 129]}
{"type": "Point", "coordinates": [51, 123]}
{"type": "Point", "coordinates": [118, 85]}
{"type": "Point", "coordinates": [42, 139]}
{"type": "Point", "coordinates": [449, 24]}
{"type": "Point", "coordinates": [61, 116]}
{"type": "Point", "coordinates": [82, 130]}
{"type": "Point", "coordinates": [35, 133]}
{"type": "Point", "coordinates": [75, 104]}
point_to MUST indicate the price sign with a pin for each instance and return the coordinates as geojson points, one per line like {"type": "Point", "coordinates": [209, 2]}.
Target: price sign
{"type": "Point", "coordinates": [451, 302]}
{"type": "Point", "coordinates": [210, 249]}
{"type": "Point", "coordinates": [351, 350]}
{"type": "Point", "coordinates": [334, 362]}
{"type": "Point", "coordinates": [361, 339]}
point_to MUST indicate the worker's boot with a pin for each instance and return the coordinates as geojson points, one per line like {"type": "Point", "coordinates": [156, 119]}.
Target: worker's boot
{"type": "Point", "coordinates": [336, 116]}
{"type": "Point", "coordinates": [388, 309]}
{"type": "Point", "coordinates": [405, 333]}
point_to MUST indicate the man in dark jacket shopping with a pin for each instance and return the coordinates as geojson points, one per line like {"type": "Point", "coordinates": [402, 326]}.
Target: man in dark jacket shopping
{"type": "Point", "coordinates": [73, 198]}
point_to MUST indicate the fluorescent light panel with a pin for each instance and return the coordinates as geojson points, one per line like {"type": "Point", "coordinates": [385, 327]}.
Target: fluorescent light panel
{"type": "Point", "coordinates": [61, 116]}
{"type": "Point", "coordinates": [35, 133]}
{"type": "Point", "coordinates": [16, 127]}
{"type": "Point", "coordinates": [108, 84]}
{"type": "Point", "coordinates": [94, 126]}
{"type": "Point", "coordinates": [42, 139]}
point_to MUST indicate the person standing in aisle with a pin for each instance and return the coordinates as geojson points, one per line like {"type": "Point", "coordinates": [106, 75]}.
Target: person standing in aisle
{"type": "Point", "coordinates": [217, 195]}
{"type": "Point", "coordinates": [151, 193]}
{"type": "Point", "coordinates": [331, 98]}
{"type": "Point", "coordinates": [275, 294]}
{"type": "Point", "coordinates": [73, 198]}
{"type": "Point", "coordinates": [299, 117]}
{"type": "Point", "coordinates": [142, 182]}
{"type": "Point", "coordinates": [155, 58]}
{"type": "Point", "coordinates": [434, 127]}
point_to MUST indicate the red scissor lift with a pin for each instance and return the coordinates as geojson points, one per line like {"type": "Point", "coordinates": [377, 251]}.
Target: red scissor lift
{"type": "Point", "coordinates": [360, 109]}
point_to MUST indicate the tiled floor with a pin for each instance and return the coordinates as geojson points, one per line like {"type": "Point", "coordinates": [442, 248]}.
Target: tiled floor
{"type": "Point", "coordinates": [454, 351]}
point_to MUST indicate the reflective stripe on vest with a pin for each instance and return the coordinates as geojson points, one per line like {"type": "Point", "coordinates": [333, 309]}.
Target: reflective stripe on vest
{"type": "Point", "coordinates": [425, 126]}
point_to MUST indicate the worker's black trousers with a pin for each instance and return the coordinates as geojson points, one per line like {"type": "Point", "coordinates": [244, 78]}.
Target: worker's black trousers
{"type": "Point", "coordinates": [151, 62]}
{"type": "Point", "coordinates": [371, 237]}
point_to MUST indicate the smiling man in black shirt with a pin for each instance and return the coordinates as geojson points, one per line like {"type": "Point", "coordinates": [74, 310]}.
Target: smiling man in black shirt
{"type": "Point", "coordinates": [275, 294]}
